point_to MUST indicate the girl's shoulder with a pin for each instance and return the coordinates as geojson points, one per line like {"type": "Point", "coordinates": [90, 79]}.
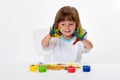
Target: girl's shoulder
{"type": "Point", "coordinates": [55, 38]}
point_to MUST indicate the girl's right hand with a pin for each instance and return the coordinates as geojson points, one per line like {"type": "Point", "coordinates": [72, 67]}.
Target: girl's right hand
{"type": "Point", "coordinates": [54, 31]}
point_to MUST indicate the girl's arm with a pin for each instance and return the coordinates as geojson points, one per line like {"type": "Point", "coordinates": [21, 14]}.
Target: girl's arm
{"type": "Point", "coordinates": [87, 44]}
{"type": "Point", "coordinates": [46, 40]}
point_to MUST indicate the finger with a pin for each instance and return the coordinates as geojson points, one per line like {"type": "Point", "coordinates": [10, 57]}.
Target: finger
{"type": "Point", "coordinates": [75, 33]}
{"type": "Point", "coordinates": [76, 40]}
{"type": "Point", "coordinates": [57, 30]}
{"type": "Point", "coordinates": [84, 35]}
{"type": "Point", "coordinates": [53, 26]}
{"type": "Point", "coordinates": [56, 26]}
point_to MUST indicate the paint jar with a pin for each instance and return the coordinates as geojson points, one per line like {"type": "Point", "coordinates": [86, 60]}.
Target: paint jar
{"type": "Point", "coordinates": [71, 69]}
{"type": "Point", "coordinates": [86, 68]}
{"type": "Point", "coordinates": [42, 68]}
{"type": "Point", "coordinates": [33, 68]}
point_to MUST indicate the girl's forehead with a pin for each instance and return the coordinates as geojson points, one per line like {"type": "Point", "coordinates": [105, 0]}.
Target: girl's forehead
{"type": "Point", "coordinates": [66, 18]}
{"type": "Point", "coordinates": [67, 21]}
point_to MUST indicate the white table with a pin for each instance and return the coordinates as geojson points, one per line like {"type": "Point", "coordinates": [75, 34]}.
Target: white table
{"type": "Point", "coordinates": [20, 71]}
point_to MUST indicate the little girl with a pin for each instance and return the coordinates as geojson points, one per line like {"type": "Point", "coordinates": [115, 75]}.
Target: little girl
{"type": "Point", "coordinates": [69, 47]}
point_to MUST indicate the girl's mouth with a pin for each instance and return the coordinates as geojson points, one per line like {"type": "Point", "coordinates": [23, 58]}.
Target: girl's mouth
{"type": "Point", "coordinates": [67, 31]}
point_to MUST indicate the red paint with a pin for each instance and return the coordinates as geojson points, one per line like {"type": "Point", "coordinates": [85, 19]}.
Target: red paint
{"type": "Point", "coordinates": [56, 26]}
{"type": "Point", "coordinates": [76, 40]}
{"type": "Point", "coordinates": [71, 69]}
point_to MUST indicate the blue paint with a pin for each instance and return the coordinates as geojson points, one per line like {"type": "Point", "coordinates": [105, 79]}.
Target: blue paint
{"type": "Point", "coordinates": [86, 68]}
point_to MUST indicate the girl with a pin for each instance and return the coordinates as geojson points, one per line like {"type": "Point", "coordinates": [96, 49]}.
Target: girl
{"type": "Point", "coordinates": [66, 48]}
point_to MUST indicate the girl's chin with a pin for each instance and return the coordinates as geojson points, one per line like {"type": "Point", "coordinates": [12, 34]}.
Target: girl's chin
{"type": "Point", "coordinates": [67, 35]}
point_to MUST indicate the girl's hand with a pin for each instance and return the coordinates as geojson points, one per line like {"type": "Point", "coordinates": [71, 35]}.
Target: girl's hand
{"type": "Point", "coordinates": [54, 31]}
{"type": "Point", "coordinates": [79, 36]}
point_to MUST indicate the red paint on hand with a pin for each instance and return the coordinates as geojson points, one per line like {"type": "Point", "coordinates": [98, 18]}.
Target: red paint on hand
{"type": "Point", "coordinates": [76, 40]}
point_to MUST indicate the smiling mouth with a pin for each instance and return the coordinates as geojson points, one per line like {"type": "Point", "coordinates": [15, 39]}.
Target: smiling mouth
{"type": "Point", "coordinates": [67, 31]}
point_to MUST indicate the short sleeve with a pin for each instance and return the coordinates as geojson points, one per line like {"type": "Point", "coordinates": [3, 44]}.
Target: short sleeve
{"type": "Point", "coordinates": [82, 49]}
{"type": "Point", "coordinates": [85, 49]}
{"type": "Point", "coordinates": [51, 46]}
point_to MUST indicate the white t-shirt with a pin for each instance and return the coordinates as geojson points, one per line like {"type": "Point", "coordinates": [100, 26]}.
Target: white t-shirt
{"type": "Point", "coordinates": [64, 51]}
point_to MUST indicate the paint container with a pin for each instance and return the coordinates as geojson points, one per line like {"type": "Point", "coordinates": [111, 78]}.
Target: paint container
{"type": "Point", "coordinates": [33, 68]}
{"type": "Point", "coordinates": [71, 69]}
{"type": "Point", "coordinates": [42, 68]}
{"type": "Point", "coordinates": [86, 68]}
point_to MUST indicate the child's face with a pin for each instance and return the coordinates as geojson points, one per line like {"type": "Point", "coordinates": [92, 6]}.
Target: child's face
{"type": "Point", "coordinates": [67, 27]}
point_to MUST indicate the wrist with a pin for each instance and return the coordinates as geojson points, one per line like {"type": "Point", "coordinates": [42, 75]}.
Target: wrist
{"type": "Point", "coordinates": [49, 36]}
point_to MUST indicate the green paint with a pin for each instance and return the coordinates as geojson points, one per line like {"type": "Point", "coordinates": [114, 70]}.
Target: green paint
{"type": "Point", "coordinates": [42, 68]}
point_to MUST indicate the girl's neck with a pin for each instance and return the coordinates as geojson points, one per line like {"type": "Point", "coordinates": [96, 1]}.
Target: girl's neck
{"type": "Point", "coordinates": [67, 37]}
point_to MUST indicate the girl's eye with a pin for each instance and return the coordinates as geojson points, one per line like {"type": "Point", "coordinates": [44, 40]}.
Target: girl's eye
{"type": "Point", "coordinates": [62, 24]}
{"type": "Point", "coordinates": [70, 24]}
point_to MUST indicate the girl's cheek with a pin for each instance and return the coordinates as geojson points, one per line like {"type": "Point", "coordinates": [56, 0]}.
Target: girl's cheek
{"type": "Point", "coordinates": [60, 29]}
{"type": "Point", "coordinates": [73, 28]}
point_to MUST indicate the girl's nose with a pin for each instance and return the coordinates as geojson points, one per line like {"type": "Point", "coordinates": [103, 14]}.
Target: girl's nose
{"type": "Point", "coordinates": [67, 26]}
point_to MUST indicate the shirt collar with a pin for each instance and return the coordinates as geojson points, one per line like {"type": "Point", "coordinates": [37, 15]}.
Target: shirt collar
{"type": "Point", "coordinates": [67, 40]}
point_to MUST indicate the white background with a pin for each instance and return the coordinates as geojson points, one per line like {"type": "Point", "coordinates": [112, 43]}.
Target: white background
{"type": "Point", "coordinates": [20, 18]}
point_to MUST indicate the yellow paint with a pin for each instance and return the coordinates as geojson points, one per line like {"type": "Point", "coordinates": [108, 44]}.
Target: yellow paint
{"type": "Point", "coordinates": [33, 68]}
